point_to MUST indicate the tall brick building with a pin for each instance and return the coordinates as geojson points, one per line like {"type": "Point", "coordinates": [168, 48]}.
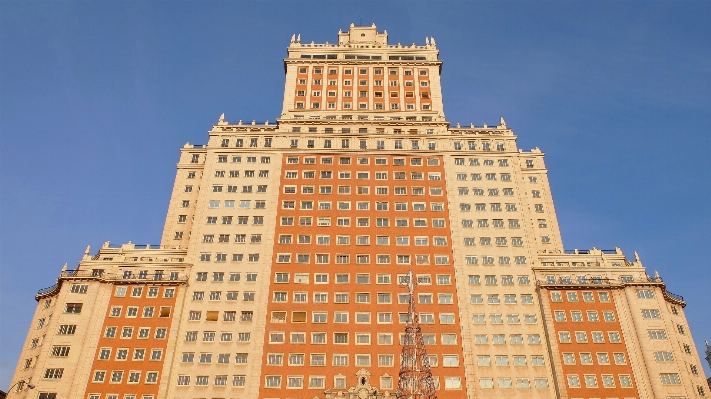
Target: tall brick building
{"type": "Point", "coordinates": [278, 271]}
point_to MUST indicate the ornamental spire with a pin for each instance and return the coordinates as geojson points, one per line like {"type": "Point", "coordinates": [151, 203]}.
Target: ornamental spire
{"type": "Point", "coordinates": [415, 381]}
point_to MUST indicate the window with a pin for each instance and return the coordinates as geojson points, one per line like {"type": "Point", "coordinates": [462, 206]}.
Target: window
{"type": "Point", "coordinates": [620, 358]}
{"type": "Point", "coordinates": [474, 280]}
{"type": "Point", "coordinates": [73, 308]}
{"type": "Point", "coordinates": [564, 337]}
{"type": "Point", "coordinates": [452, 382]}
{"type": "Point", "coordinates": [78, 289]}
{"type": "Point", "coordinates": [614, 337]}
{"type": "Point", "coordinates": [271, 381]}
{"type": "Point", "coordinates": [651, 314]}
{"type": "Point", "coordinates": [99, 376]}
{"type": "Point", "coordinates": [667, 378]}
{"type": "Point", "coordinates": [568, 358]}
{"type": "Point", "coordinates": [54, 373]}
{"type": "Point", "coordinates": [585, 358]}
{"type": "Point", "coordinates": [657, 334]}
{"type": "Point", "coordinates": [60, 351]}
{"type": "Point", "coordinates": [663, 356]}
{"type": "Point", "coordinates": [625, 381]}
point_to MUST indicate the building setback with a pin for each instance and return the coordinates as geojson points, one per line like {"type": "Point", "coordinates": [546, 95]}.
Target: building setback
{"type": "Point", "coordinates": [279, 271]}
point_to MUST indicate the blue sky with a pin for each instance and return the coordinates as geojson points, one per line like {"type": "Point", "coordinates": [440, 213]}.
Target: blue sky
{"type": "Point", "coordinates": [97, 97]}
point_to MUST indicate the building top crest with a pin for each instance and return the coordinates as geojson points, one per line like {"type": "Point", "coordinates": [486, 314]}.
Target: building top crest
{"type": "Point", "coordinates": [363, 35]}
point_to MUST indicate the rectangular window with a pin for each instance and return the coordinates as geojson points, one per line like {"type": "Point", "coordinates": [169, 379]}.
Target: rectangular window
{"type": "Point", "coordinates": [651, 314]}
{"type": "Point", "coordinates": [54, 373]}
{"type": "Point", "coordinates": [667, 378]}
{"type": "Point", "coordinates": [73, 308]}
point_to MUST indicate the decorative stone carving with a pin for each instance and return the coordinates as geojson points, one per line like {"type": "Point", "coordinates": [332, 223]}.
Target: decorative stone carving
{"type": "Point", "coordinates": [362, 390]}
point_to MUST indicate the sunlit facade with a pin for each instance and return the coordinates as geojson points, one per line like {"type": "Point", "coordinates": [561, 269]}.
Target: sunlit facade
{"type": "Point", "coordinates": [278, 271]}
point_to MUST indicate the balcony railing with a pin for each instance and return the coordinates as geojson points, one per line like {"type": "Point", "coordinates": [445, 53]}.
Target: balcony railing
{"type": "Point", "coordinates": [674, 296]}
{"type": "Point", "coordinates": [47, 290]}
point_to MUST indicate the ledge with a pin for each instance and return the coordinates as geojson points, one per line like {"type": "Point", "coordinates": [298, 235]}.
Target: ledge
{"type": "Point", "coordinates": [91, 275]}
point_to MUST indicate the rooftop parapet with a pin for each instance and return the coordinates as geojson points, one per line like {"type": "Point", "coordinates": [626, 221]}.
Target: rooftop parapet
{"type": "Point", "coordinates": [485, 129]}
{"type": "Point", "coordinates": [99, 275]}
{"type": "Point", "coordinates": [363, 37]}
{"type": "Point", "coordinates": [593, 257]}
{"type": "Point", "coordinates": [552, 282]}
{"type": "Point", "coordinates": [251, 127]}
{"type": "Point", "coordinates": [344, 118]}
{"type": "Point", "coordinates": [109, 265]}
{"type": "Point", "coordinates": [130, 252]}
{"type": "Point", "coordinates": [359, 40]}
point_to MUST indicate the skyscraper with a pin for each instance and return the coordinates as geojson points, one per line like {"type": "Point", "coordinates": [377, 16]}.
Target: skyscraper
{"type": "Point", "coordinates": [279, 269]}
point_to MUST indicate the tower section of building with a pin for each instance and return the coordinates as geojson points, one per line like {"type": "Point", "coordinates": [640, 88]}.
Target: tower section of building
{"type": "Point", "coordinates": [362, 73]}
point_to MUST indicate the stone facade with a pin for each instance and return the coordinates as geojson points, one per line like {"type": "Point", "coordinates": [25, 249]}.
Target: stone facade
{"type": "Point", "coordinates": [284, 244]}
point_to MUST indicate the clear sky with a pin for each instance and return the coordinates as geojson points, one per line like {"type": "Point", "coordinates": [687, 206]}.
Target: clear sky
{"type": "Point", "coordinates": [97, 97]}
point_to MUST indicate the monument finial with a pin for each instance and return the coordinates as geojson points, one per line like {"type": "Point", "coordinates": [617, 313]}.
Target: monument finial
{"type": "Point", "coordinates": [87, 253]}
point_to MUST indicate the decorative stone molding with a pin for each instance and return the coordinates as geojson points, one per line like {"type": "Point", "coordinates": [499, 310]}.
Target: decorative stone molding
{"type": "Point", "coordinates": [362, 390]}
